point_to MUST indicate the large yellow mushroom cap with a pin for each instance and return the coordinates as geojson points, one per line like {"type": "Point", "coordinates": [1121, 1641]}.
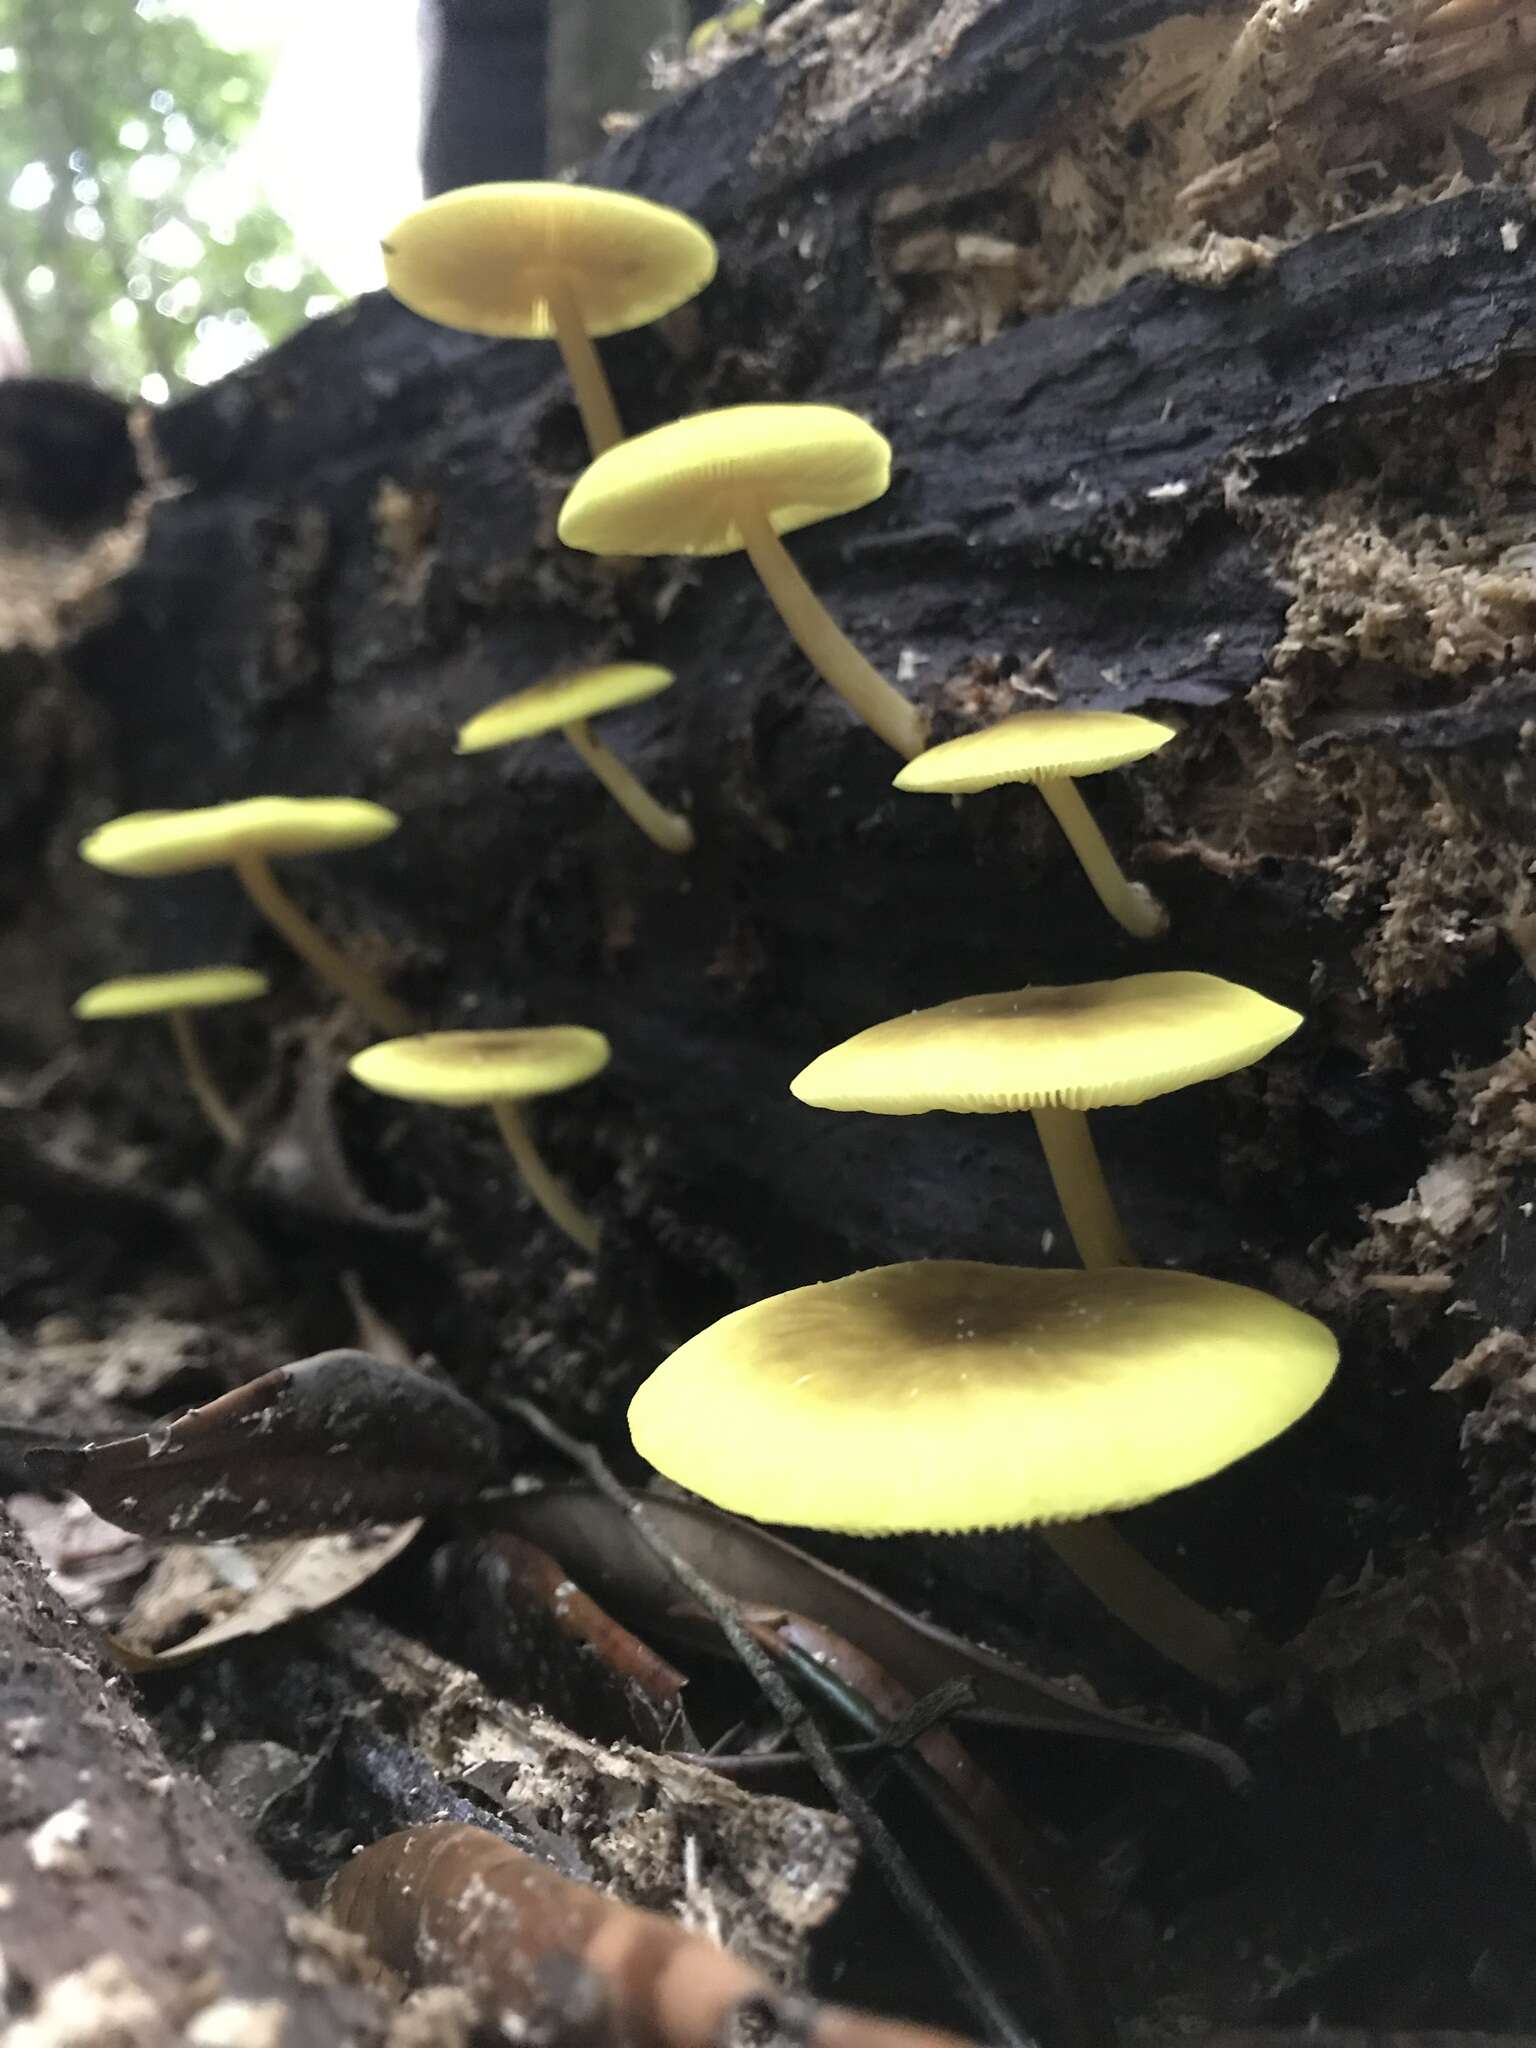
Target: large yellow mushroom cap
{"type": "Point", "coordinates": [945, 1394]}
{"type": "Point", "coordinates": [675, 490]}
{"type": "Point", "coordinates": [1035, 746]}
{"type": "Point", "coordinates": [147, 995]}
{"type": "Point", "coordinates": [482, 258]}
{"type": "Point", "coordinates": [1086, 1046]}
{"type": "Point", "coordinates": [472, 1069]}
{"type": "Point", "coordinates": [218, 835]}
{"type": "Point", "coordinates": [561, 700]}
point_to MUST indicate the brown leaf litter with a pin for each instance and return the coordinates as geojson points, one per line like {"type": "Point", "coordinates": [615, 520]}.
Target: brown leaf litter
{"type": "Point", "coordinates": [764, 1870]}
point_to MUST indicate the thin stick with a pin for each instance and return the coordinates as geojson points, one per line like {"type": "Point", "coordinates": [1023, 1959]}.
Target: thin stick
{"type": "Point", "coordinates": [824, 643]}
{"type": "Point", "coordinates": [333, 967]}
{"type": "Point", "coordinates": [539, 1181]}
{"type": "Point", "coordinates": [885, 1851]}
{"type": "Point", "coordinates": [584, 367]}
{"type": "Point", "coordinates": [211, 1099]}
{"type": "Point", "coordinates": [664, 828]}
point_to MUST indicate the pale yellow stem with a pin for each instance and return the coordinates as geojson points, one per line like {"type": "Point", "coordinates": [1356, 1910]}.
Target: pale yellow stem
{"type": "Point", "coordinates": [584, 367]}
{"type": "Point", "coordinates": [1130, 904]}
{"type": "Point", "coordinates": [539, 1181]}
{"type": "Point", "coordinates": [824, 644]}
{"type": "Point", "coordinates": [666, 829]}
{"type": "Point", "coordinates": [210, 1097]}
{"type": "Point", "coordinates": [1073, 1159]}
{"type": "Point", "coordinates": [1116, 1573]}
{"type": "Point", "coordinates": [333, 967]}
{"type": "Point", "coordinates": [1138, 1594]}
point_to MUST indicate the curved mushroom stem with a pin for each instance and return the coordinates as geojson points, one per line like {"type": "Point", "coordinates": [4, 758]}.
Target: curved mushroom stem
{"type": "Point", "coordinates": [539, 1181]}
{"type": "Point", "coordinates": [210, 1097]}
{"type": "Point", "coordinates": [824, 644]}
{"type": "Point", "coordinates": [1138, 1594]}
{"type": "Point", "coordinates": [1079, 1179]}
{"type": "Point", "coordinates": [584, 367]}
{"type": "Point", "coordinates": [664, 828]}
{"type": "Point", "coordinates": [1114, 1571]}
{"type": "Point", "coordinates": [333, 967]}
{"type": "Point", "coordinates": [1131, 904]}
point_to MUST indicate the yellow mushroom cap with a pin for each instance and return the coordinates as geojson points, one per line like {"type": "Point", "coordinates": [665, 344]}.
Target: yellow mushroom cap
{"type": "Point", "coordinates": [675, 490]}
{"type": "Point", "coordinates": [1086, 1046]}
{"type": "Point", "coordinates": [561, 700]}
{"type": "Point", "coordinates": [146, 995]}
{"type": "Point", "coordinates": [481, 258]}
{"type": "Point", "coordinates": [946, 1394]}
{"type": "Point", "coordinates": [1036, 746]}
{"type": "Point", "coordinates": [218, 835]}
{"type": "Point", "coordinates": [471, 1069]}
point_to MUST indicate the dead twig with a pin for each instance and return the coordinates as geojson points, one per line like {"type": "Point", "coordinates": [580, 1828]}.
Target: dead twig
{"type": "Point", "coordinates": [1010, 1851]}
{"type": "Point", "coordinates": [885, 1852]}
{"type": "Point", "coordinates": [447, 1903]}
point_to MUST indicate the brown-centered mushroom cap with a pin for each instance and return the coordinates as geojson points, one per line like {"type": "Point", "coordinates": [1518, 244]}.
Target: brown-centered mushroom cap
{"type": "Point", "coordinates": [946, 1394]}
{"type": "Point", "coordinates": [1085, 1046]}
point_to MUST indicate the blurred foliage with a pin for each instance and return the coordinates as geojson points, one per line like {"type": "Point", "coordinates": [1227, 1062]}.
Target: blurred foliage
{"type": "Point", "coordinates": [138, 250]}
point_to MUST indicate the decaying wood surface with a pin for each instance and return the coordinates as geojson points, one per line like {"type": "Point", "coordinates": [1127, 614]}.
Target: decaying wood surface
{"type": "Point", "coordinates": [128, 1901]}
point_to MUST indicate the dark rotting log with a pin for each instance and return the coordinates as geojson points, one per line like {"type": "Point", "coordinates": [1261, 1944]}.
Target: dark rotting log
{"type": "Point", "coordinates": [119, 1880]}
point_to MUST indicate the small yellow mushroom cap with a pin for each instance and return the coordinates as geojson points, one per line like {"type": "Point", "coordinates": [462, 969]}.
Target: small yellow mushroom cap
{"type": "Point", "coordinates": [561, 700]}
{"type": "Point", "coordinates": [219, 835]}
{"type": "Point", "coordinates": [1035, 746]}
{"type": "Point", "coordinates": [146, 995]}
{"type": "Point", "coordinates": [946, 1394]}
{"type": "Point", "coordinates": [1086, 1046]}
{"type": "Point", "coordinates": [735, 21]}
{"type": "Point", "coordinates": [675, 490]}
{"type": "Point", "coordinates": [472, 1069]}
{"type": "Point", "coordinates": [482, 258]}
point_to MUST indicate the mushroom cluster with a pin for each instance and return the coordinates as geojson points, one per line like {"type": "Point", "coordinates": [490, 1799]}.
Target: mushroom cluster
{"type": "Point", "coordinates": [938, 1394]}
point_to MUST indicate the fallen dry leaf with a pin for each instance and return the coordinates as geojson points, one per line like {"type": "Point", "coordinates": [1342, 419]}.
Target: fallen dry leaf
{"type": "Point", "coordinates": [248, 1591]}
{"type": "Point", "coordinates": [333, 1442]}
{"type": "Point", "coordinates": [597, 1544]}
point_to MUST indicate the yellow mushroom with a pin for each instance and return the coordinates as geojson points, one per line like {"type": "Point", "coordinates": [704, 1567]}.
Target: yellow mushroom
{"type": "Point", "coordinates": [1052, 749]}
{"type": "Point", "coordinates": [1057, 1052]}
{"type": "Point", "coordinates": [741, 20]}
{"type": "Point", "coordinates": [498, 1071]}
{"type": "Point", "coordinates": [568, 702]}
{"type": "Point", "coordinates": [951, 1395]}
{"type": "Point", "coordinates": [176, 997]}
{"type": "Point", "coordinates": [247, 836]}
{"type": "Point", "coordinates": [724, 481]}
{"type": "Point", "coordinates": [537, 261]}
